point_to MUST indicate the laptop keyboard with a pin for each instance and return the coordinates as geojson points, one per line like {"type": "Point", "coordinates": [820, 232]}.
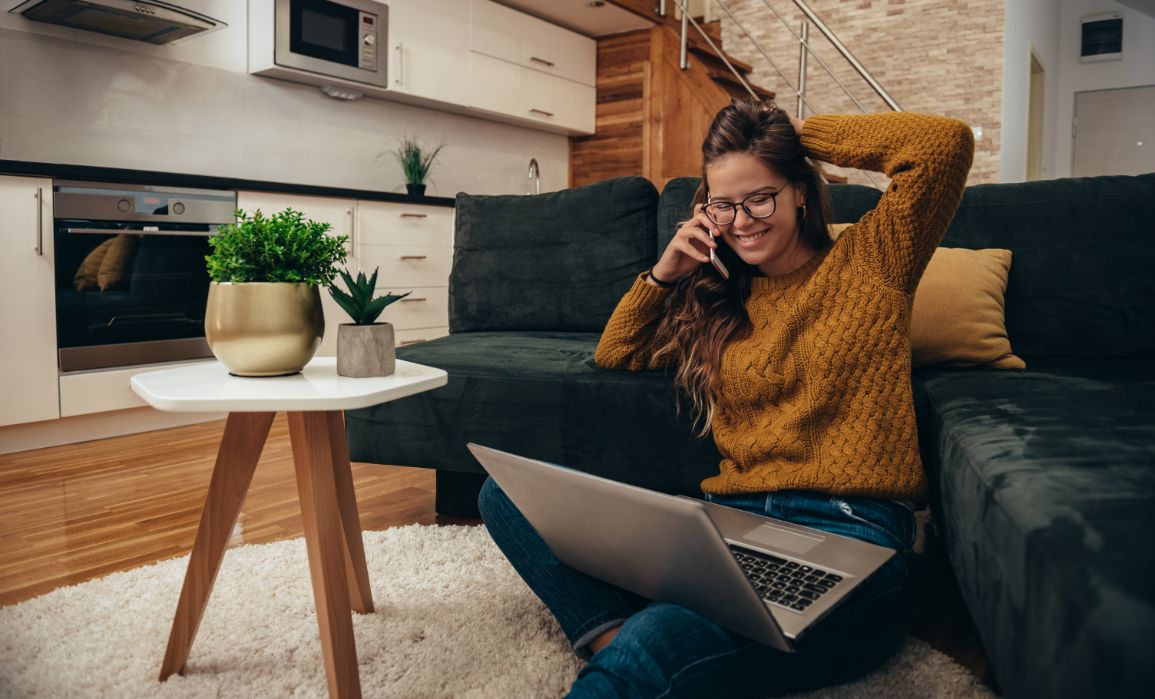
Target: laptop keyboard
{"type": "Point", "coordinates": [785, 583]}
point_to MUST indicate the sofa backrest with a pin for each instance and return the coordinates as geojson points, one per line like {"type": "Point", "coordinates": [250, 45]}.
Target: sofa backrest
{"type": "Point", "coordinates": [557, 261]}
{"type": "Point", "coordinates": [1081, 282]}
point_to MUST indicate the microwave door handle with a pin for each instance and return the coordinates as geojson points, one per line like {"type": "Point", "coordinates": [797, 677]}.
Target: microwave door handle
{"type": "Point", "coordinates": [113, 231]}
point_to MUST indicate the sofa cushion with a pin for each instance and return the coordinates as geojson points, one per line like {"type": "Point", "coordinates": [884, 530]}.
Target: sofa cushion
{"type": "Point", "coordinates": [1081, 284]}
{"type": "Point", "coordinates": [1045, 482]}
{"type": "Point", "coordinates": [557, 261]}
{"type": "Point", "coordinates": [538, 394]}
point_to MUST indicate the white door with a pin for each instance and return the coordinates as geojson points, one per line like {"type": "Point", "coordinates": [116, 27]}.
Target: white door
{"type": "Point", "coordinates": [1114, 132]}
{"type": "Point", "coordinates": [28, 370]}
{"type": "Point", "coordinates": [341, 214]}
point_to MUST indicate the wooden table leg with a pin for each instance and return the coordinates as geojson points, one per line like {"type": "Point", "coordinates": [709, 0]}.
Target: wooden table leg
{"type": "Point", "coordinates": [312, 439]}
{"type": "Point", "coordinates": [241, 445]}
{"type": "Point", "coordinates": [356, 571]}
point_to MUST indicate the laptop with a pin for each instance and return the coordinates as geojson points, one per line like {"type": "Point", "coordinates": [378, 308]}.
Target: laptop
{"type": "Point", "coordinates": [763, 578]}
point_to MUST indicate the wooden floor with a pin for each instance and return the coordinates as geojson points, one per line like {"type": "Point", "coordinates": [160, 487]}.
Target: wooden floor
{"type": "Point", "coordinates": [73, 513]}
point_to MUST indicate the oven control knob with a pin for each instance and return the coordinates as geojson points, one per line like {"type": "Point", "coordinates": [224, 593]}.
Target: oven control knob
{"type": "Point", "coordinates": [178, 208]}
{"type": "Point", "coordinates": [369, 40]}
{"type": "Point", "coordinates": [124, 205]}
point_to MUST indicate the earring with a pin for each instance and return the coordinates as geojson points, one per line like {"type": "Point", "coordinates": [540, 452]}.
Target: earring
{"type": "Point", "coordinates": [803, 212]}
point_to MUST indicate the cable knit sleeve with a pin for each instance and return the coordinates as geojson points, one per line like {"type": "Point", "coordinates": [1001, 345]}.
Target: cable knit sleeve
{"type": "Point", "coordinates": [927, 159]}
{"type": "Point", "coordinates": [627, 341]}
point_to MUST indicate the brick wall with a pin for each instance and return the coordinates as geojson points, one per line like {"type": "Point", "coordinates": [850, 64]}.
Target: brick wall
{"type": "Point", "coordinates": [932, 56]}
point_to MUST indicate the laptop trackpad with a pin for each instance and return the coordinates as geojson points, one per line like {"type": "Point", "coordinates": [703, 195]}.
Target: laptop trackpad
{"type": "Point", "coordinates": [776, 537]}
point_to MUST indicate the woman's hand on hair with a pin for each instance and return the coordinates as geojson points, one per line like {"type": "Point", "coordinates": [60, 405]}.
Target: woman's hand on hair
{"type": "Point", "coordinates": [689, 248]}
{"type": "Point", "coordinates": [797, 124]}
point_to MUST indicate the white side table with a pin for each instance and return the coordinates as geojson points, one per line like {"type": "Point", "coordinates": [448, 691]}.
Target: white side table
{"type": "Point", "coordinates": [314, 400]}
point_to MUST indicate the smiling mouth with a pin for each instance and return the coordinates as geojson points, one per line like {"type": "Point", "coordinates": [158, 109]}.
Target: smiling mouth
{"type": "Point", "coordinates": [747, 239]}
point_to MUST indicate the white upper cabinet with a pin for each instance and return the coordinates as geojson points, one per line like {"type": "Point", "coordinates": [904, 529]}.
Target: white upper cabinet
{"type": "Point", "coordinates": [29, 378]}
{"type": "Point", "coordinates": [429, 49]}
{"type": "Point", "coordinates": [501, 32]}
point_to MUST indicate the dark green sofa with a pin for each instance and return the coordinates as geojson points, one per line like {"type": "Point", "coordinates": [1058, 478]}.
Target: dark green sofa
{"type": "Point", "coordinates": [1043, 481]}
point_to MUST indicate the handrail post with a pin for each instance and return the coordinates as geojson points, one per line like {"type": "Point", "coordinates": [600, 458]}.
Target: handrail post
{"type": "Point", "coordinates": [802, 55]}
{"type": "Point", "coordinates": [661, 8]}
{"type": "Point", "coordinates": [683, 59]}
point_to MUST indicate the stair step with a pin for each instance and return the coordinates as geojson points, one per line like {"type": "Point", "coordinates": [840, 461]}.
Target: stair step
{"type": "Point", "coordinates": [727, 80]}
{"type": "Point", "coordinates": [701, 49]}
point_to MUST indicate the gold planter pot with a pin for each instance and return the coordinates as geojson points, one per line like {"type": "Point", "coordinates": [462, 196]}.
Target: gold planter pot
{"type": "Point", "coordinates": [263, 328]}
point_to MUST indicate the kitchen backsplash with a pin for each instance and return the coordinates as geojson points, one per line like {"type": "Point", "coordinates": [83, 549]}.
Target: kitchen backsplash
{"type": "Point", "coordinates": [80, 98]}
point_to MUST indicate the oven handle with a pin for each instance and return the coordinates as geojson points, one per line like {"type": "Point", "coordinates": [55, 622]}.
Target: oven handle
{"type": "Point", "coordinates": [109, 231]}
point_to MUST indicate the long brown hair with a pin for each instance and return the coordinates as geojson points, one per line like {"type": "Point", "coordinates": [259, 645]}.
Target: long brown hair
{"type": "Point", "coordinates": [707, 312]}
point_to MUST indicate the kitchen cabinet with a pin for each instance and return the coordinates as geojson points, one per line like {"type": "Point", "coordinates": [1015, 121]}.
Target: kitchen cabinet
{"type": "Point", "coordinates": [341, 214]}
{"type": "Point", "coordinates": [525, 95]}
{"type": "Point", "coordinates": [412, 246]}
{"type": "Point", "coordinates": [504, 33]}
{"type": "Point", "coordinates": [429, 50]}
{"type": "Point", "coordinates": [28, 368]}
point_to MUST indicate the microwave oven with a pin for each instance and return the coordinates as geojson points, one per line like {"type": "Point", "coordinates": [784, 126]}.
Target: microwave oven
{"type": "Point", "coordinates": [330, 43]}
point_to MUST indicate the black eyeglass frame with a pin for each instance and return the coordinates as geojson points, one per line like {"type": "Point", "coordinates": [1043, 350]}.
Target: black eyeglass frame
{"type": "Point", "coordinates": [734, 207]}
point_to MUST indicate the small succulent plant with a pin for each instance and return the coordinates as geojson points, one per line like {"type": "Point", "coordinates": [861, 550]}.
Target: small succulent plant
{"type": "Point", "coordinates": [359, 302]}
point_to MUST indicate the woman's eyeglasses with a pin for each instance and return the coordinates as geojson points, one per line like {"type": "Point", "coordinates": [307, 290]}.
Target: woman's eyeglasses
{"type": "Point", "coordinates": [758, 205]}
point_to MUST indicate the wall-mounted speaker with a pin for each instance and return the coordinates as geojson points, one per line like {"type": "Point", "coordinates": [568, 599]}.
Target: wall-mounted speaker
{"type": "Point", "coordinates": [1102, 38]}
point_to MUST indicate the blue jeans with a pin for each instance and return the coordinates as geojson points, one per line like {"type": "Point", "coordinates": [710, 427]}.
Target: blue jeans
{"type": "Point", "coordinates": [664, 650]}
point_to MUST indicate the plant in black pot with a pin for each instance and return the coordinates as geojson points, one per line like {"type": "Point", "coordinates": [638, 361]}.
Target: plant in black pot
{"type": "Point", "coordinates": [416, 163]}
{"type": "Point", "coordinates": [364, 347]}
{"type": "Point", "coordinates": [264, 314]}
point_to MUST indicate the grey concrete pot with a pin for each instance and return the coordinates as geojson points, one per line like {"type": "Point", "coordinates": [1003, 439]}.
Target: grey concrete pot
{"type": "Point", "coordinates": [365, 350]}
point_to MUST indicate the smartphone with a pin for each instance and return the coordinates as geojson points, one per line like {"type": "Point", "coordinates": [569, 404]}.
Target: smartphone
{"type": "Point", "coordinates": [714, 260]}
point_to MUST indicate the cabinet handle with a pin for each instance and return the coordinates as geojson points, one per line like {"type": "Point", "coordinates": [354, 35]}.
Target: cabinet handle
{"type": "Point", "coordinates": [413, 257]}
{"type": "Point", "coordinates": [40, 221]}
{"type": "Point", "coordinates": [353, 230]}
{"type": "Point", "coordinates": [412, 342]}
{"type": "Point", "coordinates": [414, 215]}
{"type": "Point", "coordinates": [540, 111]}
{"type": "Point", "coordinates": [400, 65]}
{"type": "Point", "coordinates": [412, 300]}
{"type": "Point", "coordinates": [541, 61]}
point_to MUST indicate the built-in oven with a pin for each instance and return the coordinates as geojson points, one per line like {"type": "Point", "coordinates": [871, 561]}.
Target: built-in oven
{"type": "Point", "coordinates": [334, 38]}
{"type": "Point", "coordinates": [131, 280]}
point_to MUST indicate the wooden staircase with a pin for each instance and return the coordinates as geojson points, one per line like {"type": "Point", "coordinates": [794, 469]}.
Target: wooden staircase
{"type": "Point", "coordinates": [651, 114]}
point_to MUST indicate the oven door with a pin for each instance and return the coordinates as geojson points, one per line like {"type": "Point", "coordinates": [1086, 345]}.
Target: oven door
{"type": "Point", "coordinates": [337, 38]}
{"type": "Point", "coordinates": [129, 295]}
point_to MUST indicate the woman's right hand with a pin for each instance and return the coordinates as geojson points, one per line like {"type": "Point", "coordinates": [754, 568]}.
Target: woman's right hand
{"type": "Point", "coordinates": [689, 248]}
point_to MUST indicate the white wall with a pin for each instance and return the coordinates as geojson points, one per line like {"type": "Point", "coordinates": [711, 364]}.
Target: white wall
{"type": "Point", "coordinates": [1136, 69]}
{"type": "Point", "coordinates": [68, 96]}
{"type": "Point", "coordinates": [1030, 25]}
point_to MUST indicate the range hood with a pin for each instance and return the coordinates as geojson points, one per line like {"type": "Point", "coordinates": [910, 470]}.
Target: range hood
{"type": "Point", "coordinates": [141, 20]}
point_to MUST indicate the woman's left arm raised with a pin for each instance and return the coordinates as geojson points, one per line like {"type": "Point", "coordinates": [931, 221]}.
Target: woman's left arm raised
{"type": "Point", "coordinates": [927, 159]}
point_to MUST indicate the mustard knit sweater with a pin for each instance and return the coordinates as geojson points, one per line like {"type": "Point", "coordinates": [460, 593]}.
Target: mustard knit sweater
{"type": "Point", "coordinates": [818, 396]}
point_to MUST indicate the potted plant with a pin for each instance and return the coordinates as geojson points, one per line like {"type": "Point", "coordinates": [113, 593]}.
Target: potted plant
{"type": "Point", "coordinates": [415, 164]}
{"type": "Point", "coordinates": [364, 347]}
{"type": "Point", "coordinates": [264, 314]}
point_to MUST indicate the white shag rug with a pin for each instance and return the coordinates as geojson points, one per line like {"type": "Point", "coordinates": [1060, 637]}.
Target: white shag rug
{"type": "Point", "coordinates": [452, 619]}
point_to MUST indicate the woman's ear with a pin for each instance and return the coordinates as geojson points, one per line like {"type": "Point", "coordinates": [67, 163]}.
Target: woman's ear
{"type": "Point", "coordinates": [799, 194]}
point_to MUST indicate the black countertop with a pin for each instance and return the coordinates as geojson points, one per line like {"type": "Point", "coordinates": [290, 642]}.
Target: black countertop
{"type": "Point", "coordinates": [65, 171]}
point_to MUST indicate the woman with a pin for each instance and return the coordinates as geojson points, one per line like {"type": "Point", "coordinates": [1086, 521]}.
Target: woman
{"type": "Point", "coordinates": [799, 364]}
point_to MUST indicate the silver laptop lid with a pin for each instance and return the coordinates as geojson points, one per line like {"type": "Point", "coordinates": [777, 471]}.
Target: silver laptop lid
{"type": "Point", "coordinates": [659, 546]}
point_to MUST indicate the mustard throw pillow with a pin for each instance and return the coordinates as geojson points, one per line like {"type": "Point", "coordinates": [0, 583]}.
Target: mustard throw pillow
{"type": "Point", "coordinates": [86, 274]}
{"type": "Point", "coordinates": [959, 312]}
{"type": "Point", "coordinates": [116, 264]}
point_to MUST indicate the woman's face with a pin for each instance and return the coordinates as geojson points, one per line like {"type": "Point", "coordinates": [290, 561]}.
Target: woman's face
{"type": "Point", "coordinates": [736, 177]}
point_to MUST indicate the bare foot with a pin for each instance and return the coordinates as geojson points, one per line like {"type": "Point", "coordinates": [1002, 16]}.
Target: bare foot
{"type": "Point", "coordinates": [604, 639]}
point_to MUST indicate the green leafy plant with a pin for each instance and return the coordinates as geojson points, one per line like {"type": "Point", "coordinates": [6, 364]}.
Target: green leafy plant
{"type": "Point", "coordinates": [415, 162]}
{"type": "Point", "coordinates": [359, 302]}
{"type": "Point", "coordinates": [284, 247]}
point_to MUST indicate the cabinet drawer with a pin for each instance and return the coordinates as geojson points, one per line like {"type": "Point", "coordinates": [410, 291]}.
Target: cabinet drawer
{"type": "Point", "coordinates": [405, 267]}
{"type": "Point", "coordinates": [528, 95]}
{"type": "Point", "coordinates": [426, 307]}
{"type": "Point", "coordinates": [501, 32]}
{"type": "Point", "coordinates": [387, 223]}
{"type": "Point", "coordinates": [413, 337]}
